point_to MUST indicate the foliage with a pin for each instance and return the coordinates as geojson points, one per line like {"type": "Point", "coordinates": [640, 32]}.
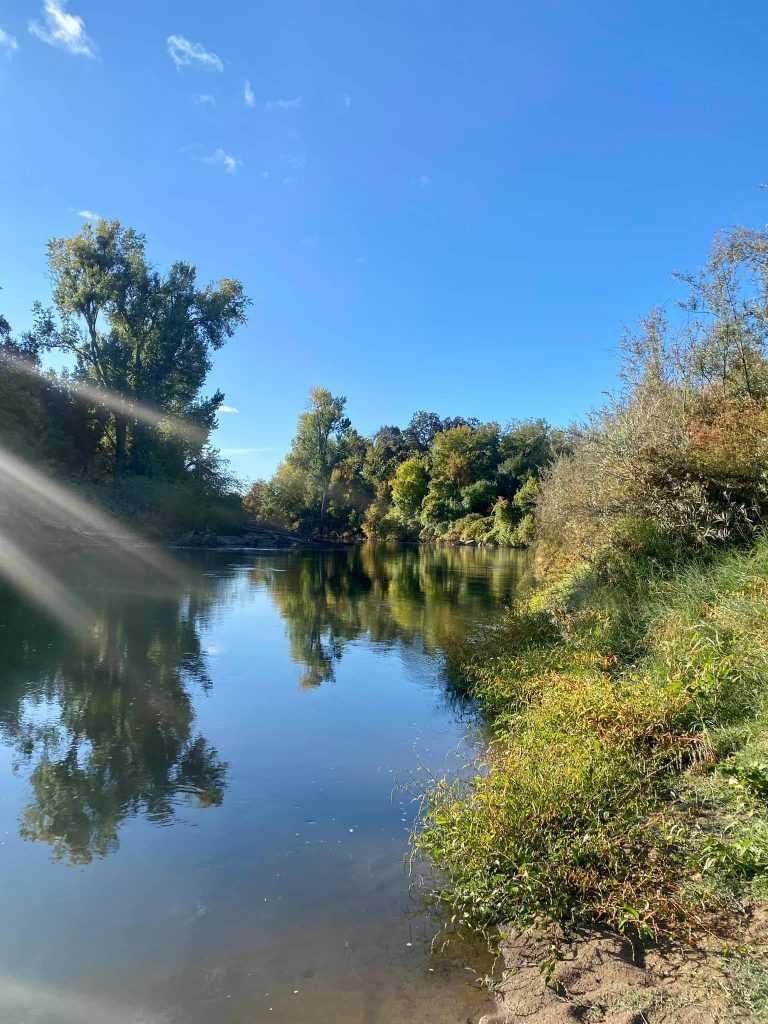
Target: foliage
{"type": "Point", "coordinates": [140, 335]}
{"type": "Point", "coordinates": [409, 488]}
{"type": "Point", "coordinates": [131, 407]}
{"type": "Point", "coordinates": [686, 443]}
{"type": "Point", "coordinates": [571, 819]}
{"type": "Point", "coordinates": [122, 737]}
{"type": "Point", "coordinates": [437, 479]}
{"type": "Point", "coordinates": [638, 671]}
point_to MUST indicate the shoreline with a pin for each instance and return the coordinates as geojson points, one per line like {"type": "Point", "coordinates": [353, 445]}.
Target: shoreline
{"type": "Point", "coordinates": [616, 832]}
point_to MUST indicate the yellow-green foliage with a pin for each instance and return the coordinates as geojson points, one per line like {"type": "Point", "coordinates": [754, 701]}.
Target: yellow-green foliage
{"type": "Point", "coordinates": [571, 818]}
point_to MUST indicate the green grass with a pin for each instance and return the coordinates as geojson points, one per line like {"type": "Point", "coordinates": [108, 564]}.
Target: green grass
{"type": "Point", "coordinates": [626, 785]}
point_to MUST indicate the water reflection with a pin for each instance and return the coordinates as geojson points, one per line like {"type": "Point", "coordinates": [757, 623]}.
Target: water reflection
{"type": "Point", "coordinates": [105, 723]}
{"type": "Point", "coordinates": [274, 886]}
{"type": "Point", "coordinates": [407, 596]}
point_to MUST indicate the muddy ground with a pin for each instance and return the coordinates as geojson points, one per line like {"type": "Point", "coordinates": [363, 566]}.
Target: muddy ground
{"type": "Point", "coordinates": [604, 979]}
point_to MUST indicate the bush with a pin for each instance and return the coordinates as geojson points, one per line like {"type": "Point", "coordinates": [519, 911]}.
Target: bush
{"type": "Point", "coordinates": [167, 508]}
{"type": "Point", "coordinates": [570, 818]}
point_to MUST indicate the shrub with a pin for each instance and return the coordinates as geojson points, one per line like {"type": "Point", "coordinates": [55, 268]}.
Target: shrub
{"type": "Point", "coordinates": [570, 817]}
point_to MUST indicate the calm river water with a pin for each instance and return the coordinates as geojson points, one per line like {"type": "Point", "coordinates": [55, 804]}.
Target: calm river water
{"type": "Point", "coordinates": [207, 797]}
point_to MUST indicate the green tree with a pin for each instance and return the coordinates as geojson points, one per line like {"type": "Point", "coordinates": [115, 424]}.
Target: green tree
{"type": "Point", "coordinates": [322, 443]}
{"type": "Point", "coordinates": [22, 412]}
{"type": "Point", "coordinates": [350, 492]}
{"type": "Point", "coordinates": [143, 335]}
{"type": "Point", "coordinates": [464, 454]}
{"type": "Point", "coordinates": [525, 449]}
{"type": "Point", "coordinates": [390, 447]}
{"type": "Point", "coordinates": [409, 488]}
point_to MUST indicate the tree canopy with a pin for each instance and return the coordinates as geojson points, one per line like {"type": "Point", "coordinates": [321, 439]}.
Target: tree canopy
{"type": "Point", "coordinates": [436, 479]}
{"type": "Point", "coordinates": [132, 405]}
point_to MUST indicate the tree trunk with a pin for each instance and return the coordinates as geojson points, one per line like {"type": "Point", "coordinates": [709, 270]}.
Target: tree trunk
{"type": "Point", "coordinates": [121, 435]}
{"type": "Point", "coordinates": [323, 502]}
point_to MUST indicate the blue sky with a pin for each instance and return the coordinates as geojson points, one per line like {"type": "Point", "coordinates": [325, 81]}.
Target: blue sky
{"type": "Point", "coordinates": [449, 206]}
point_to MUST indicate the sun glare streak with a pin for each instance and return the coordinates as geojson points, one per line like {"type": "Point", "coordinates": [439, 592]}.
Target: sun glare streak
{"type": "Point", "coordinates": [35, 998]}
{"type": "Point", "coordinates": [26, 486]}
{"type": "Point", "coordinates": [36, 583]}
{"type": "Point", "coordinates": [129, 410]}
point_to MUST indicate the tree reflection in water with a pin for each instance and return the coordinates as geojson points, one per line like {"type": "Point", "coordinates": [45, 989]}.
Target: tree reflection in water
{"type": "Point", "coordinates": [410, 596]}
{"type": "Point", "coordinates": [107, 721]}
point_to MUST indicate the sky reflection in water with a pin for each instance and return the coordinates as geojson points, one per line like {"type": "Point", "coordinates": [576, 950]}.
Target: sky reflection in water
{"type": "Point", "coordinates": [203, 814]}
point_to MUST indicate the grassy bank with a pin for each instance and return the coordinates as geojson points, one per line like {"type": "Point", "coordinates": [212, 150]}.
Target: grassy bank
{"type": "Point", "coordinates": [627, 782]}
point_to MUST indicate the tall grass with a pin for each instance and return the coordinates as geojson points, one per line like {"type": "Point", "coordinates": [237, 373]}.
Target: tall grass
{"type": "Point", "coordinates": [606, 702]}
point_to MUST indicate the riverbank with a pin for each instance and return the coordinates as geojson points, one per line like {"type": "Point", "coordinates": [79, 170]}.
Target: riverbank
{"type": "Point", "coordinates": [251, 538]}
{"type": "Point", "coordinates": [625, 787]}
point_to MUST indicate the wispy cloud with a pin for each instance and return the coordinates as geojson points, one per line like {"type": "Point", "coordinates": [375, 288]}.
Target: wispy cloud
{"type": "Point", "coordinates": [424, 181]}
{"type": "Point", "coordinates": [295, 161]}
{"type": "Point", "coordinates": [88, 215]}
{"type": "Point", "coordinates": [228, 410]}
{"type": "Point", "coordinates": [347, 101]}
{"type": "Point", "coordinates": [294, 104]}
{"type": "Point", "coordinates": [248, 94]}
{"type": "Point", "coordinates": [183, 53]}
{"type": "Point", "coordinates": [63, 30]}
{"type": "Point", "coordinates": [245, 451]}
{"type": "Point", "coordinates": [205, 99]}
{"type": "Point", "coordinates": [229, 163]}
{"type": "Point", "coordinates": [8, 43]}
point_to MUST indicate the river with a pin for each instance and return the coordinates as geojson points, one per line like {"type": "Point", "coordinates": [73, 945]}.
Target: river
{"type": "Point", "coordinates": [207, 795]}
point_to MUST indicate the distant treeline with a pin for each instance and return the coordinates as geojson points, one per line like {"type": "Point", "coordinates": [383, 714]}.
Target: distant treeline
{"type": "Point", "coordinates": [130, 418]}
{"type": "Point", "coordinates": [455, 480]}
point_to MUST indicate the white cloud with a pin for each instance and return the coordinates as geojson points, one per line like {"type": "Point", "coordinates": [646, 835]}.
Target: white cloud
{"type": "Point", "coordinates": [245, 451]}
{"type": "Point", "coordinates": [88, 215]}
{"type": "Point", "coordinates": [424, 181]}
{"type": "Point", "coordinates": [228, 410]}
{"type": "Point", "coordinates": [66, 31]}
{"type": "Point", "coordinates": [347, 99]}
{"type": "Point", "coordinates": [294, 104]}
{"type": "Point", "coordinates": [184, 53]}
{"type": "Point", "coordinates": [229, 162]}
{"type": "Point", "coordinates": [8, 43]}
{"type": "Point", "coordinates": [204, 98]}
{"type": "Point", "coordinates": [248, 95]}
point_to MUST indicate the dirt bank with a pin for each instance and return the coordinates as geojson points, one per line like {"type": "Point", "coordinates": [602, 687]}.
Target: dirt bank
{"type": "Point", "coordinates": [264, 538]}
{"type": "Point", "coordinates": [604, 979]}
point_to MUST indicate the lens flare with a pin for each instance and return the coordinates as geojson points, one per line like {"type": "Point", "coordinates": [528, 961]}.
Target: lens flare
{"type": "Point", "coordinates": [40, 586]}
{"type": "Point", "coordinates": [26, 486]}
{"type": "Point", "coordinates": [123, 407]}
{"type": "Point", "coordinates": [45, 525]}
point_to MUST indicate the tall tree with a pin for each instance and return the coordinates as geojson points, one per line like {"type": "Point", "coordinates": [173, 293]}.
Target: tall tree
{"type": "Point", "coordinates": [143, 335]}
{"type": "Point", "coordinates": [321, 444]}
